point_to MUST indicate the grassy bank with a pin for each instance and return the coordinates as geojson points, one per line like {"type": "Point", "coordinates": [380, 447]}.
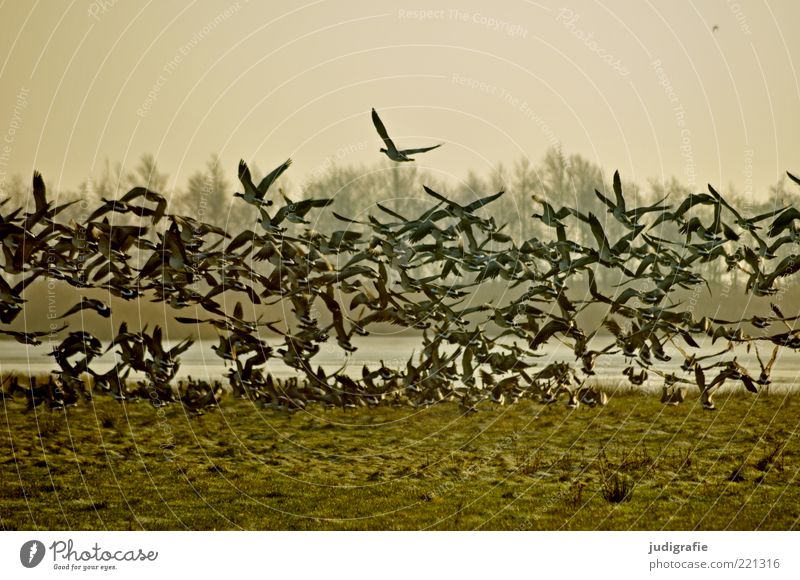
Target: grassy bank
{"type": "Point", "coordinates": [634, 464]}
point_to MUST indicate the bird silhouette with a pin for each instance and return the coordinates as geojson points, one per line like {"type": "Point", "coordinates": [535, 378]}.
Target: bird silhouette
{"type": "Point", "coordinates": [391, 151]}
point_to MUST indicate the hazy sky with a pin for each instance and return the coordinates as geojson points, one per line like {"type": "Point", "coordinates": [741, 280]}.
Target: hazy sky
{"type": "Point", "coordinates": [644, 87]}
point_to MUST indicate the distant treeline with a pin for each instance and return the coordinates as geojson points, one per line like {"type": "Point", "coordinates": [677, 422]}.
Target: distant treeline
{"type": "Point", "coordinates": [562, 180]}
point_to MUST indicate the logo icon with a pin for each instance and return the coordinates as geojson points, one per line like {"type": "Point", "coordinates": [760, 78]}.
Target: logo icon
{"type": "Point", "coordinates": [31, 553]}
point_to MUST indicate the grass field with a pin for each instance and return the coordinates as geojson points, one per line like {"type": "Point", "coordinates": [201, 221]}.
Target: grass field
{"type": "Point", "coordinates": [634, 464]}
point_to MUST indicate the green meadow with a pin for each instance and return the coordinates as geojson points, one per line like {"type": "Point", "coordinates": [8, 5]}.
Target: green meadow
{"type": "Point", "coordinates": [634, 464]}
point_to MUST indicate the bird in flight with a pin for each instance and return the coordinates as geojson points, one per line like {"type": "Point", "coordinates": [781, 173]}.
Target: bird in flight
{"type": "Point", "coordinates": [392, 152]}
{"type": "Point", "coordinates": [255, 194]}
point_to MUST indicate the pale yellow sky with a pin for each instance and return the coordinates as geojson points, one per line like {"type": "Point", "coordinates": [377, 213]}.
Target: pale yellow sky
{"type": "Point", "coordinates": [644, 87]}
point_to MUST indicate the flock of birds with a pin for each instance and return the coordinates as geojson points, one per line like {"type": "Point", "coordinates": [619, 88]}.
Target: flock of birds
{"type": "Point", "coordinates": [369, 272]}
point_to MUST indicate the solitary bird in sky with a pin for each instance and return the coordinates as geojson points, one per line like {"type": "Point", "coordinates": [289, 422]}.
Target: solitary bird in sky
{"type": "Point", "coordinates": [391, 150]}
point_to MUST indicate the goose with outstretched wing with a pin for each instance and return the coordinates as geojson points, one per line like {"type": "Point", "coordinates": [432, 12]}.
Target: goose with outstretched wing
{"type": "Point", "coordinates": [392, 152]}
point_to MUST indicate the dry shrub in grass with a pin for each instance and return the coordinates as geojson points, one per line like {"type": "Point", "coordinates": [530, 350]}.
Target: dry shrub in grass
{"type": "Point", "coordinates": [575, 499]}
{"type": "Point", "coordinates": [107, 419]}
{"type": "Point", "coordinates": [532, 464]}
{"type": "Point", "coordinates": [683, 458]}
{"type": "Point", "coordinates": [737, 474]}
{"type": "Point", "coordinates": [564, 462]}
{"type": "Point", "coordinates": [616, 487]}
{"type": "Point", "coordinates": [772, 459]}
{"type": "Point", "coordinates": [636, 460]}
{"type": "Point", "coordinates": [49, 425]}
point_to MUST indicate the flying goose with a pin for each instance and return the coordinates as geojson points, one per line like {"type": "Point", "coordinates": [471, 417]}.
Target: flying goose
{"type": "Point", "coordinates": [391, 150]}
{"type": "Point", "coordinates": [255, 194]}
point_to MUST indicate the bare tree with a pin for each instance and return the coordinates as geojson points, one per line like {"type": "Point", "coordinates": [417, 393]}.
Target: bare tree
{"type": "Point", "coordinates": [208, 198]}
{"type": "Point", "coordinates": [146, 174]}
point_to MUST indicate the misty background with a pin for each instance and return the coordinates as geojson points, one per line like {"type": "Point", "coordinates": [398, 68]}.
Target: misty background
{"type": "Point", "coordinates": [534, 98]}
{"type": "Point", "coordinates": [563, 180]}
{"type": "Point", "coordinates": [647, 88]}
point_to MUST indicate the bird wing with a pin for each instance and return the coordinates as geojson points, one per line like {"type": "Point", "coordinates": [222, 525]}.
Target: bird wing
{"type": "Point", "coordinates": [599, 234]}
{"type": "Point", "coordinates": [671, 376]}
{"type": "Point", "coordinates": [161, 207]}
{"type": "Point", "coordinates": [247, 180]}
{"type": "Point", "coordinates": [482, 202]}
{"type": "Point", "coordinates": [188, 320]}
{"type": "Point", "coordinates": [618, 191]}
{"type": "Point", "coordinates": [749, 384]}
{"type": "Point", "coordinates": [776, 310]}
{"type": "Point", "coordinates": [347, 220]}
{"type": "Point", "coordinates": [280, 215]}
{"type": "Point", "coordinates": [306, 205]}
{"type": "Point", "coordinates": [137, 192]}
{"type": "Point", "coordinates": [783, 220]}
{"type": "Point", "coordinates": [181, 347]}
{"type": "Point", "coordinates": [77, 308]}
{"type": "Point", "coordinates": [722, 201]}
{"type": "Point", "coordinates": [419, 150]}
{"type": "Point", "coordinates": [605, 200]}
{"type": "Point", "coordinates": [267, 182]}
{"type": "Point", "coordinates": [149, 195]}
{"type": "Point", "coordinates": [376, 120]}
{"type": "Point", "coordinates": [700, 377]}
{"type": "Point", "coordinates": [438, 196]}
{"type": "Point", "coordinates": [788, 266]}
{"type": "Point", "coordinates": [39, 192]}
{"type": "Point", "coordinates": [692, 200]}
{"type": "Point", "coordinates": [684, 354]}
{"type": "Point", "coordinates": [771, 361]}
